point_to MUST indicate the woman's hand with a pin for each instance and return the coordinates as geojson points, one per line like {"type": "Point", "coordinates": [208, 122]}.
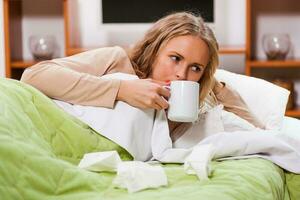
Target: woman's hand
{"type": "Point", "coordinates": [218, 86]}
{"type": "Point", "coordinates": [144, 93]}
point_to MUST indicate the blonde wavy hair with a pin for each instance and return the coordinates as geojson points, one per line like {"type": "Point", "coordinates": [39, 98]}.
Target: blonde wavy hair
{"type": "Point", "coordinates": [144, 52]}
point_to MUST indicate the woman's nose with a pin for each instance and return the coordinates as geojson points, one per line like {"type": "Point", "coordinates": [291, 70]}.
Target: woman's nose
{"type": "Point", "coordinates": [181, 74]}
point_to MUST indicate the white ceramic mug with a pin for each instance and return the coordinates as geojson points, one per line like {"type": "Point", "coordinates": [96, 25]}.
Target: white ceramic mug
{"type": "Point", "coordinates": [184, 101]}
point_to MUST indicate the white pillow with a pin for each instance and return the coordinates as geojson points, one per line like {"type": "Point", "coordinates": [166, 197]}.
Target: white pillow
{"type": "Point", "coordinates": [291, 127]}
{"type": "Point", "coordinates": [266, 100]}
{"type": "Point", "coordinates": [232, 122]}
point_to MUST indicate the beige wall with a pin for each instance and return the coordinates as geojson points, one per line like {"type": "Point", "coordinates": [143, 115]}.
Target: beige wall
{"type": "Point", "coordinates": [86, 23]}
{"type": "Point", "coordinates": [87, 28]}
{"type": "Point", "coordinates": [2, 57]}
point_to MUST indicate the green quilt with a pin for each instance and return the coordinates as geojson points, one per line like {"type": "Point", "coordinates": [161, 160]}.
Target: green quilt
{"type": "Point", "coordinates": [40, 146]}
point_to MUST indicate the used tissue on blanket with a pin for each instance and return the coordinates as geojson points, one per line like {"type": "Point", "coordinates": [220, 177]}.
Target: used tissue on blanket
{"type": "Point", "coordinates": [198, 162]}
{"type": "Point", "coordinates": [100, 161]}
{"type": "Point", "coordinates": [137, 175]}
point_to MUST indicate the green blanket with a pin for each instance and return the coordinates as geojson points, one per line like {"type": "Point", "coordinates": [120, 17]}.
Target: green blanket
{"type": "Point", "coordinates": [40, 146]}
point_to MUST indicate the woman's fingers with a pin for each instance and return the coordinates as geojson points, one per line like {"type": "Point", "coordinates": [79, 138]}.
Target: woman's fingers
{"type": "Point", "coordinates": [162, 102]}
{"type": "Point", "coordinates": [156, 106]}
{"type": "Point", "coordinates": [144, 94]}
{"type": "Point", "coordinates": [161, 94]}
{"type": "Point", "coordinates": [162, 88]}
{"type": "Point", "coordinates": [165, 92]}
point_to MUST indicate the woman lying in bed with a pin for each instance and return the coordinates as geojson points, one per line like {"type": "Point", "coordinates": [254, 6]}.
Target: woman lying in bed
{"type": "Point", "coordinates": [179, 46]}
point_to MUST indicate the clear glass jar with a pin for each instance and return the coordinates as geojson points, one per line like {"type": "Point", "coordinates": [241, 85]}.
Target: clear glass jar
{"type": "Point", "coordinates": [276, 45]}
{"type": "Point", "coordinates": [42, 47]}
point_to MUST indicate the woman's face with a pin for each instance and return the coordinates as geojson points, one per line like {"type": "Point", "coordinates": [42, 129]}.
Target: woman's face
{"type": "Point", "coordinates": [182, 58]}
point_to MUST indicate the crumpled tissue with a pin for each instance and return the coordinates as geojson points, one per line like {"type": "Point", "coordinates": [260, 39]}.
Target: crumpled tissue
{"type": "Point", "coordinates": [198, 161]}
{"type": "Point", "coordinates": [100, 161]}
{"type": "Point", "coordinates": [137, 175]}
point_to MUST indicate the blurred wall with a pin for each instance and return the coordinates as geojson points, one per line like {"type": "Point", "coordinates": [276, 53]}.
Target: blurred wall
{"type": "Point", "coordinates": [88, 30]}
{"type": "Point", "coordinates": [87, 23]}
{"type": "Point", "coordinates": [2, 57]}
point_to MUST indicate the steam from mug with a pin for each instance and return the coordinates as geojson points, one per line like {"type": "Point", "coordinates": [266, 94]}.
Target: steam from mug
{"type": "Point", "coordinates": [184, 101]}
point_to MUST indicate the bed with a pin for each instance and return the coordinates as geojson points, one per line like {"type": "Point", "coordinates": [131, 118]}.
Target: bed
{"type": "Point", "coordinates": [41, 146]}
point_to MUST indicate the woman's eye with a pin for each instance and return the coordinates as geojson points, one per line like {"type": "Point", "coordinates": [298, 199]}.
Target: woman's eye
{"type": "Point", "coordinates": [196, 68]}
{"type": "Point", "coordinates": [175, 58]}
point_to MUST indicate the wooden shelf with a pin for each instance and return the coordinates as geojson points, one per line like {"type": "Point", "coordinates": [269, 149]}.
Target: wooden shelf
{"type": "Point", "coordinates": [22, 64]}
{"type": "Point", "coordinates": [13, 17]}
{"type": "Point", "coordinates": [238, 49]}
{"type": "Point", "coordinates": [293, 113]}
{"type": "Point", "coordinates": [75, 50]}
{"type": "Point", "coordinates": [223, 50]}
{"type": "Point", "coordinates": [273, 64]}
